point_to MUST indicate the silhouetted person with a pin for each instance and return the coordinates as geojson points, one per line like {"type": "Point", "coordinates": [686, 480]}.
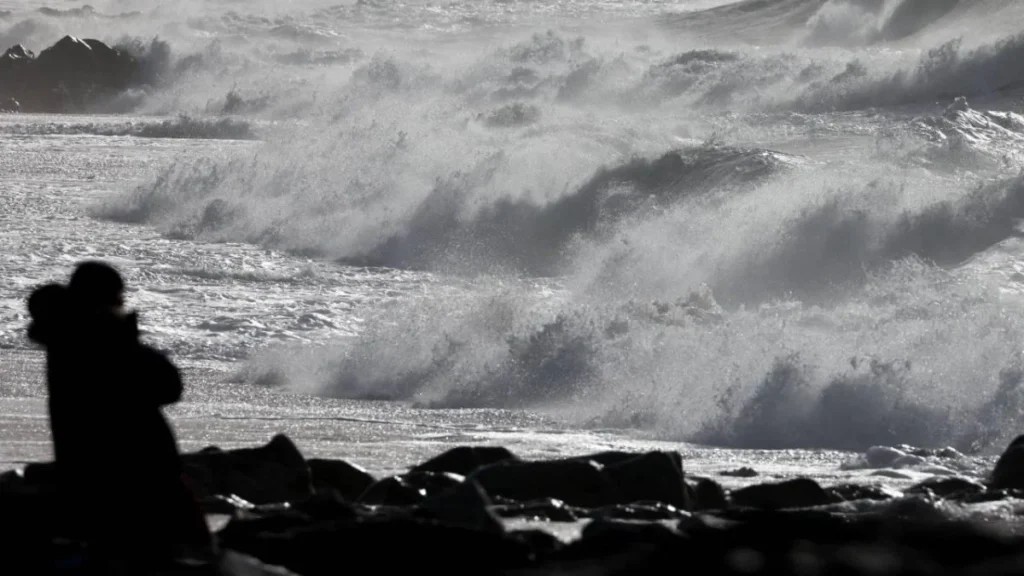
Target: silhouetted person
{"type": "Point", "coordinates": [119, 472]}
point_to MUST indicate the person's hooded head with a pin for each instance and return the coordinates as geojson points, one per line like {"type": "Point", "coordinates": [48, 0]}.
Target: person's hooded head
{"type": "Point", "coordinates": [94, 293]}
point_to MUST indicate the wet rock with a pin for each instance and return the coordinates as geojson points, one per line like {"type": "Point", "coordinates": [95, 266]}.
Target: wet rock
{"type": "Point", "coordinates": [943, 487]}
{"type": "Point", "coordinates": [410, 488]}
{"type": "Point", "coordinates": [741, 473]}
{"type": "Point", "coordinates": [656, 476]}
{"type": "Point", "coordinates": [853, 492]}
{"type": "Point", "coordinates": [1009, 469]}
{"type": "Point", "coordinates": [575, 482]}
{"type": "Point", "coordinates": [465, 459]}
{"type": "Point", "coordinates": [645, 511]}
{"type": "Point", "coordinates": [616, 545]}
{"type": "Point", "coordinates": [41, 475]}
{"type": "Point", "coordinates": [798, 493]}
{"type": "Point", "coordinates": [232, 563]}
{"type": "Point", "coordinates": [465, 504]}
{"type": "Point", "coordinates": [389, 546]}
{"type": "Point", "coordinates": [9, 105]}
{"type": "Point", "coordinates": [12, 481]}
{"type": "Point", "coordinates": [547, 509]}
{"type": "Point", "coordinates": [276, 472]}
{"type": "Point", "coordinates": [709, 495]}
{"type": "Point", "coordinates": [991, 495]}
{"type": "Point", "coordinates": [348, 480]}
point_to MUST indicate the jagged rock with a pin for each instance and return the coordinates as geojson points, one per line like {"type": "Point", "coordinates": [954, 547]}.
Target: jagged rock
{"type": "Point", "coordinates": [618, 547]}
{"type": "Point", "coordinates": [645, 511]}
{"type": "Point", "coordinates": [65, 77]}
{"type": "Point", "coordinates": [1009, 469]}
{"type": "Point", "coordinates": [465, 459]}
{"type": "Point", "coordinates": [744, 472]}
{"type": "Point", "coordinates": [656, 476]}
{"type": "Point", "coordinates": [348, 480]}
{"type": "Point", "coordinates": [592, 481]}
{"type": "Point", "coordinates": [798, 493]}
{"type": "Point", "coordinates": [547, 509]}
{"type": "Point", "coordinates": [276, 472]}
{"type": "Point", "coordinates": [465, 504]}
{"type": "Point", "coordinates": [390, 546]}
{"type": "Point", "coordinates": [709, 495]}
{"type": "Point", "coordinates": [944, 487]}
{"type": "Point", "coordinates": [852, 492]}
{"type": "Point", "coordinates": [410, 488]}
{"type": "Point", "coordinates": [575, 482]}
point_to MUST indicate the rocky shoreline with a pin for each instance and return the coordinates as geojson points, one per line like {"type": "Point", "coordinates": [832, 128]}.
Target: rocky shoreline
{"type": "Point", "coordinates": [642, 514]}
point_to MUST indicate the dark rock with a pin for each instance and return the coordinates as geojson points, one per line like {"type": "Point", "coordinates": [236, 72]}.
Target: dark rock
{"type": "Point", "coordinates": [798, 493]}
{"type": "Point", "coordinates": [409, 489]}
{"type": "Point", "coordinates": [1009, 469]}
{"type": "Point", "coordinates": [943, 487]}
{"type": "Point", "coordinates": [276, 472]}
{"type": "Point", "coordinates": [12, 481]}
{"type": "Point", "coordinates": [465, 504]}
{"type": "Point", "coordinates": [618, 546]}
{"type": "Point", "coordinates": [348, 480]}
{"type": "Point", "coordinates": [547, 509]}
{"type": "Point", "coordinates": [575, 482]}
{"type": "Point", "coordinates": [645, 511]}
{"type": "Point", "coordinates": [852, 492]}
{"type": "Point", "coordinates": [389, 546]}
{"type": "Point", "coordinates": [741, 473]}
{"type": "Point", "coordinates": [69, 76]}
{"type": "Point", "coordinates": [709, 495]}
{"type": "Point", "coordinates": [232, 563]}
{"type": "Point", "coordinates": [9, 105]}
{"type": "Point", "coordinates": [465, 459]}
{"type": "Point", "coordinates": [991, 495]}
{"type": "Point", "coordinates": [41, 475]}
{"type": "Point", "coordinates": [654, 476]}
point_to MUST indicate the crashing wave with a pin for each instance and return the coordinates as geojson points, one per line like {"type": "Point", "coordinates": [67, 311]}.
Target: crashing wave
{"type": "Point", "coordinates": [181, 127]}
{"type": "Point", "coordinates": [991, 139]}
{"type": "Point", "coordinates": [452, 226]}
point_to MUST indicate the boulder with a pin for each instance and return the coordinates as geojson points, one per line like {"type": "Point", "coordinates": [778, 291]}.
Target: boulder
{"type": "Point", "coordinates": [576, 482]}
{"type": "Point", "coordinates": [409, 489]}
{"type": "Point", "coordinates": [640, 511]}
{"type": "Point", "coordinates": [402, 545]}
{"type": "Point", "coordinates": [348, 480]}
{"type": "Point", "coordinates": [67, 76]}
{"type": "Point", "coordinates": [653, 476]}
{"type": "Point", "coordinates": [947, 487]}
{"type": "Point", "coordinates": [464, 460]}
{"type": "Point", "coordinates": [465, 504]}
{"type": "Point", "coordinates": [276, 472]}
{"type": "Point", "coordinates": [708, 495]}
{"type": "Point", "coordinates": [852, 492]}
{"type": "Point", "coordinates": [744, 472]}
{"type": "Point", "coordinates": [9, 105]}
{"type": "Point", "coordinates": [547, 509]}
{"type": "Point", "coordinates": [1009, 469]}
{"type": "Point", "coordinates": [797, 493]}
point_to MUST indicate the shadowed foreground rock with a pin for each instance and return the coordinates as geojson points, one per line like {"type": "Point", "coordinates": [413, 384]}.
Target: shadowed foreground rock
{"type": "Point", "coordinates": [643, 514]}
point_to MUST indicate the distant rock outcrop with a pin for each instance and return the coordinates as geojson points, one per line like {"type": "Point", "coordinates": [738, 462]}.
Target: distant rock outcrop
{"type": "Point", "coordinates": [69, 76]}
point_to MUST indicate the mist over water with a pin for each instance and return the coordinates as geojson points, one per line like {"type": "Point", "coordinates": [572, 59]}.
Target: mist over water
{"type": "Point", "coordinates": [759, 224]}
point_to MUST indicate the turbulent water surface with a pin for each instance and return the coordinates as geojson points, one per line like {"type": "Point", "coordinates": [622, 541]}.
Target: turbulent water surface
{"type": "Point", "coordinates": [766, 232]}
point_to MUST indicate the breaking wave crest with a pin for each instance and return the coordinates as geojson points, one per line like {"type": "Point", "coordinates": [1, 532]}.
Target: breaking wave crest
{"type": "Point", "coordinates": [629, 250]}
